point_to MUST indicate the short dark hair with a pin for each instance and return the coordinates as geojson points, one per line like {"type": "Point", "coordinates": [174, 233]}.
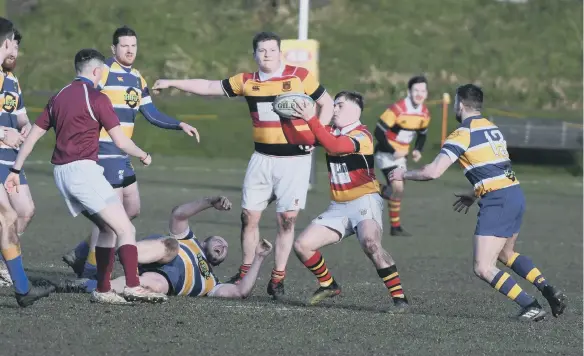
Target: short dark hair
{"type": "Point", "coordinates": [17, 36]}
{"type": "Point", "coordinates": [86, 55]}
{"type": "Point", "coordinates": [416, 80]}
{"type": "Point", "coordinates": [6, 29]}
{"type": "Point", "coordinates": [352, 96]}
{"type": "Point", "coordinates": [265, 36]}
{"type": "Point", "coordinates": [121, 32]}
{"type": "Point", "coordinates": [471, 96]}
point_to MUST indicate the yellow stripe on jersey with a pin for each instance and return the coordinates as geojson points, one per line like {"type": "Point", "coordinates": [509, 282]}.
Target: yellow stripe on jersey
{"type": "Point", "coordinates": [127, 129]}
{"type": "Point", "coordinates": [270, 135]}
{"type": "Point", "coordinates": [189, 273]}
{"type": "Point", "coordinates": [202, 266]}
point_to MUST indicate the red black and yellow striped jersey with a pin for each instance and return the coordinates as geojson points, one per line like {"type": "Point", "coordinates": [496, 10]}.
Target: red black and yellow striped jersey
{"type": "Point", "coordinates": [352, 175]}
{"type": "Point", "coordinates": [198, 278]}
{"type": "Point", "coordinates": [481, 150]}
{"type": "Point", "coordinates": [398, 125]}
{"type": "Point", "coordinates": [260, 92]}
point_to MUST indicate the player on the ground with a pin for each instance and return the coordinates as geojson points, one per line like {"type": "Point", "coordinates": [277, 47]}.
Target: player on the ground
{"type": "Point", "coordinates": [481, 150]}
{"type": "Point", "coordinates": [277, 169]}
{"type": "Point", "coordinates": [25, 293]}
{"type": "Point", "coordinates": [179, 264]}
{"type": "Point", "coordinates": [356, 206]}
{"type": "Point", "coordinates": [395, 130]}
{"type": "Point", "coordinates": [129, 93]}
{"type": "Point", "coordinates": [15, 122]}
{"type": "Point", "coordinates": [77, 113]}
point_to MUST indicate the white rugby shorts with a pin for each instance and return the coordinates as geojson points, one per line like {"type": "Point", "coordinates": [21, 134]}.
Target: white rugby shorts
{"type": "Point", "coordinates": [286, 178]}
{"type": "Point", "coordinates": [384, 160]}
{"type": "Point", "coordinates": [344, 217]}
{"type": "Point", "coordinates": [84, 187]}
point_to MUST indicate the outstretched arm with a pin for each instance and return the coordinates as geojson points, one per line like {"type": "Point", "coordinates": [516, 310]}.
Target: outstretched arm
{"type": "Point", "coordinates": [245, 286]}
{"type": "Point", "coordinates": [179, 218]}
{"type": "Point", "coordinates": [195, 86]}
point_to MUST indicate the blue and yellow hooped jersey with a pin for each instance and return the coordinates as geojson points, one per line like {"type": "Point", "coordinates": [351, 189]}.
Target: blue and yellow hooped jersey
{"type": "Point", "coordinates": [11, 105]}
{"type": "Point", "coordinates": [481, 150]}
{"type": "Point", "coordinates": [127, 90]}
{"type": "Point", "coordinates": [198, 277]}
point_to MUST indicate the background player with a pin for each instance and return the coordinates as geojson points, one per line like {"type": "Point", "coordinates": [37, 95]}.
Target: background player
{"type": "Point", "coordinates": [77, 113]}
{"type": "Point", "coordinates": [178, 264]}
{"type": "Point", "coordinates": [277, 168]}
{"type": "Point", "coordinates": [129, 93]}
{"type": "Point", "coordinates": [395, 130]}
{"type": "Point", "coordinates": [10, 138]}
{"type": "Point", "coordinates": [14, 122]}
{"type": "Point", "coordinates": [356, 205]}
{"type": "Point", "coordinates": [481, 150]}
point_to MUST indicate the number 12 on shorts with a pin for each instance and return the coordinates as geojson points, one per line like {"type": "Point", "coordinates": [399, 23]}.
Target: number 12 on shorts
{"type": "Point", "coordinates": [340, 173]}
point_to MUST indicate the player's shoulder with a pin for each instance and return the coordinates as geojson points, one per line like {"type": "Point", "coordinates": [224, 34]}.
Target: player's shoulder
{"type": "Point", "coordinates": [399, 106]}
{"type": "Point", "coordinates": [300, 72]}
{"type": "Point", "coordinates": [480, 123]}
{"type": "Point", "coordinates": [244, 76]}
{"type": "Point", "coordinates": [109, 62]}
{"type": "Point", "coordinates": [425, 110]}
{"type": "Point", "coordinates": [361, 131]}
{"type": "Point", "coordinates": [12, 76]}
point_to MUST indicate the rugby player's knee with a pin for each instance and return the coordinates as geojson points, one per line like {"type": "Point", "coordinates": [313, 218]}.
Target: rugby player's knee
{"type": "Point", "coordinates": [287, 221]}
{"type": "Point", "coordinates": [506, 254]}
{"type": "Point", "coordinates": [133, 212]}
{"type": "Point", "coordinates": [397, 188]}
{"type": "Point", "coordinates": [371, 245]}
{"type": "Point", "coordinates": [250, 219]}
{"type": "Point", "coordinates": [301, 246]}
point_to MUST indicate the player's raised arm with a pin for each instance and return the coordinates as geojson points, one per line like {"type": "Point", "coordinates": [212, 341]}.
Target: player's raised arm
{"type": "Point", "coordinates": [319, 94]}
{"type": "Point", "coordinates": [245, 286]}
{"type": "Point", "coordinates": [179, 218]}
{"type": "Point", "coordinates": [159, 119]}
{"type": "Point", "coordinates": [196, 86]}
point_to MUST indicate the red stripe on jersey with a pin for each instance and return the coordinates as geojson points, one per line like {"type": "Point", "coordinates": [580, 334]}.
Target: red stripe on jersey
{"type": "Point", "coordinates": [358, 178]}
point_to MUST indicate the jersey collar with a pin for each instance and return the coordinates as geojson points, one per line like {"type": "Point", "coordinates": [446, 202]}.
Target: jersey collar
{"type": "Point", "coordinates": [266, 76]}
{"type": "Point", "coordinates": [85, 80]}
{"type": "Point", "coordinates": [345, 130]}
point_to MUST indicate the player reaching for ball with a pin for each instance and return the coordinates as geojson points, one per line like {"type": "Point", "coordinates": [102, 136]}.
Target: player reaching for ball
{"type": "Point", "coordinates": [481, 150]}
{"type": "Point", "coordinates": [356, 206]}
{"type": "Point", "coordinates": [277, 169]}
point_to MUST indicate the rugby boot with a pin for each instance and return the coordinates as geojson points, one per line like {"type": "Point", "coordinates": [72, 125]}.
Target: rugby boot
{"type": "Point", "coordinates": [276, 290]}
{"type": "Point", "coordinates": [322, 293]}
{"type": "Point", "coordinates": [142, 294]}
{"type": "Point", "coordinates": [77, 264]}
{"type": "Point", "coordinates": [399, 231]}
{"type": "Point", "coordinates": [72, 286]}
{"type": "Point", "coordinates": [110, 297]}
{"type": "Point", "coordinates": [556, 299]}
{"type": "Point", "coordinates": [532, 312]}
{"type": "Point", "coordinates": [34, 293]}
{"type": "Point", "coordinates": [5, 280]}
{"type": "Point", "coordinates": [400, 305]}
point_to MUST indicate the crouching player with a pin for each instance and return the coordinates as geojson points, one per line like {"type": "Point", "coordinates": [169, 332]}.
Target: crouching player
{"type": "Point", "coordinates": [481, 150]}
{"type": "Point", "coordinates": [180, 264]}
{"type": "Point", "coordinates": [356, 206]}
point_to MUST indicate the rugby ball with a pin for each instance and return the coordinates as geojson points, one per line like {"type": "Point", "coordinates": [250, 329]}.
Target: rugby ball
{"type": "Point", "coordinates": [284, 104]}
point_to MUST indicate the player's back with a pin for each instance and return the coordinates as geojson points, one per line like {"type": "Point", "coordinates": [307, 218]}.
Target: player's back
{"type": "Point", "coordinates": [353, 175]}
{"type": "Point", "coordinates": [73, 115]}
{"type": "Point", "coordinates": [483, 155]}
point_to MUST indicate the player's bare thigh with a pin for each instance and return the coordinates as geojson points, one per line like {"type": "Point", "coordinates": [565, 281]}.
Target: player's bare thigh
{"type": "Point", "coordinates": [152, 280]}
{"type": "Point", "coordinates": [131, 198]}
{"type": "Point", "coordinates": [485, 255]}
{"type": "Point", "coordinates": [314, 237]}
{"type": "Point", "coordinates": [22, 201]}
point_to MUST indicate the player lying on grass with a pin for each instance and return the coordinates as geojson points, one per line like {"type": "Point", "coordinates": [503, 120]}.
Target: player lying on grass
{"type": "Point", "coordinates": [180, 264]}
{"type": "Point", "coordinates": [481, 150]}
{"type": "Point", "coordinates": [356, 206]}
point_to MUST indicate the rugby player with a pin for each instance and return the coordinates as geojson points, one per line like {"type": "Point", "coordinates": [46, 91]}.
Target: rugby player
{"type": "Point", "coordinates": [77, 113]}
{"type": "Point", "coordinates": [277, 169]}
{"type": "Point", "coordinates": [395, 130]}
{"type": "Point", "coordinates": [13, 119]}
{"type": "Point", "coordinates": [180, 264]}
{"type": "Point", "coordinates": [129, 93]}
{"type": "Point", "coordinates": [356, 206]}
{"type": "Point", "coordinates": [25, 293]}
{"type": "Point", "coordinates": [481, 150]}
